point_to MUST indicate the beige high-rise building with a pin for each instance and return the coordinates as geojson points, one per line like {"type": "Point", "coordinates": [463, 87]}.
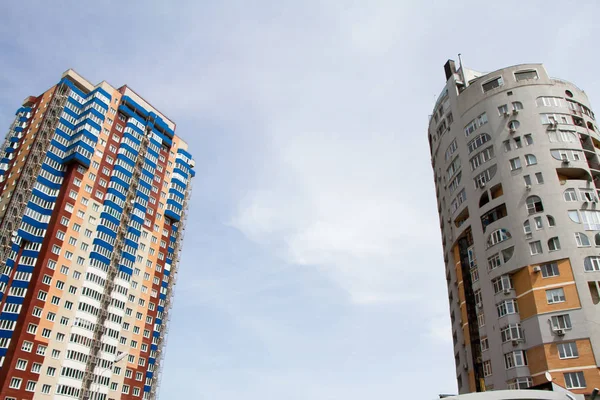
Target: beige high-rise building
{"type": "Point", "coordinates": [516, 167]}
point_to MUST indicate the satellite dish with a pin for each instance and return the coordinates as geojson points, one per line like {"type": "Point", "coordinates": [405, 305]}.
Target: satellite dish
{"type": "Point", "coordinates": [14, 233]}
{"type": "Point", "coordinates": [548, 376]}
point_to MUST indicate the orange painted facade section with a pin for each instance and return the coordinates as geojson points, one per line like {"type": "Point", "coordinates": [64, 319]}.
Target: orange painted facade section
{"type": "Point", "coordinates": [531, 286]}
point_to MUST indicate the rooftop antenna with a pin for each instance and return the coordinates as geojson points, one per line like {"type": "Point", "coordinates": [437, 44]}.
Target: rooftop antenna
{"type": "Point", "coordinates": [462, 71]}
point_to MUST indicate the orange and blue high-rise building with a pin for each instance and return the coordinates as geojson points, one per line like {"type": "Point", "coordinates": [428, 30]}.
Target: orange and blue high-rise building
{"type": "Point", "coordinates": [94, 186]}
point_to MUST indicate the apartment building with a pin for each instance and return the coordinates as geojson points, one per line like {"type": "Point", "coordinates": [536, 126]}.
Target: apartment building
{"type": "Point", "coordinates": [94, 186]}
{"type": "Point", "coordinates": [515, 160]}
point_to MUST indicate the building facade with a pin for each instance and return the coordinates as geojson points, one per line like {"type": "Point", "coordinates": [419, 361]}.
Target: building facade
{"type": "Point", "coordinates": [516, 168]}
{"type": "Point", "coordinates": [94, 187]}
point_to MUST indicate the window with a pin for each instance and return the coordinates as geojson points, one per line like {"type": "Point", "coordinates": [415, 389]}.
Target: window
{"type": "Point", "coordinates": [587, 195]}
{"type": "Point", "coordinates": [517, 106]}
{"type": "Point", "coordinates": [538, 223]}
{"type": "Point", "coordinates": [553, 244]}
{"type": "Point", "coordinates": [469, 128]}
{"type": "Point", "coordinates": [570, 195]}
{"type": "Point", "coordinates": [41, 350]}
{"type": "Point", "coordinates": [27, 346]}
{"type": "Point", "coordinates": [46, 389]}
{"type": "Point", "coordinates": [539, 178]}
{"type": "Point", "coordinates": [527, 228]}
{"type": "Point", "coordinates": [528, 139]}
{"type": "Point", "coordinates": [518, 143]}
{"type": "Point", "coordinates": [591, 263]}
{"type": "Point", "coordinates": [511, 332]}
{"type": "Point", "coordinates": [15, 383]}
{"type": "Point", "coordinates": [506, 307]}
{"type": "Point", "coordinates": [484, 344]}
{"type": "Point", "coordinates": [549, 270]}
{"type": "Point", "coordinates": [32, 328]}
{"type": "Point", "coordinates": [527, 180]}
{"type": "Point", "coordinates": [562, 321]}
{"type": "Point", "coordinates": [30, 387]}
{"type": "Point", "coordinates": [36, 368]}
{"type": "Point", "coordinates": [482, 157]}
{"type": "Point", "coordinates": [50, 371]}
{"type": "Point", "coordinates": [487, 368]}
{"type": "Point", "coordinates": [453, 168]}
{"type": "Point", "coordinates": [515, 164]}
{"type": "Point", "coordinates": [555, 296]}
{"type": "Point", "coordinates": [475, 143]}
{"type": "Point", "coordinates": [574, 380]}
{"type": "Point", "coordinates": [503, 109]}
{"type": "Point", "coordinates": [520, 383]}
{"type": "Point", "coordinates": [502, 283]}
{"type": "Point", "coordinates": [525, 75]}
{"type": "Point", "coordinates": [582, 240]}
{"type": "Point", "coordinates": [567, 350]}
{"type": "Point", "coordinates": [535, 247]}
{"type": "Point", "coordinates": [498, 236]}
{"type": "Point", "coordinates": [494, 83]}
{"type": "Point", "coordinates": [494, 262]}
{"type": "Point", "coordinates": [530, 159]}
{"type": "Point", "coordinates": [21, 365]}
{"type": "Point", "coordinates": [574, 216]}
{"type": "Point", "coordinates": [515, 359]}
{"type": "Point", "coordinates": [449, 151]}
{"type": "Point", "coordinates": [534, 205]}
{"type": "Point", "coordinates": [513, 126]}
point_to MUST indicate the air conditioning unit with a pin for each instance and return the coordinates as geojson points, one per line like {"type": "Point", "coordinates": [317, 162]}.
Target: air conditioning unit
{"type": "Point", "coordinates": [512, 130]}
{"type": "Point", "coordinates": [537, 268]}
{"type": "Point", "coordinates": [515, 342]}
{"type": "Point", "coordinates": [559, 332]}
{"type": "Point", "coordinates": [527, 187]}
{"type": "Point", "coordinates": [506, 114]}
{"type": "Point", "coordinates": [515, 112]}
{"type": "Point", "coordinates": [465, 366]}
{"type": "Point", "coordinates": [565, 161]}
{"type": "Point", "coordinates": [482, 185]}
{"type": "Point", "coordinates": [480, 305]}
{"type": "Point", "coordinates": [506, 291]}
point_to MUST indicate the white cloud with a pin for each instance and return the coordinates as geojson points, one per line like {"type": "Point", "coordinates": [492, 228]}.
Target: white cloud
{"type": "Point", "coordinates": [346, 204]}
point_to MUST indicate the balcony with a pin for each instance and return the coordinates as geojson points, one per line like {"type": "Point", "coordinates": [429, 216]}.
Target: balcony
{"type": "Point", "coordinates": [594, 165]}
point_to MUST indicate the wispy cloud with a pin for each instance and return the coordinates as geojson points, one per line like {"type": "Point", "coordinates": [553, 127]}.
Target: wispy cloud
{"type": "Point", "coordinates": [312, 265]}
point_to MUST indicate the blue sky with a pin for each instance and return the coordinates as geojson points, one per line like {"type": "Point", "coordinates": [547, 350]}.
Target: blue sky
{"type": "Point", "coordinates": [312, 265]}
